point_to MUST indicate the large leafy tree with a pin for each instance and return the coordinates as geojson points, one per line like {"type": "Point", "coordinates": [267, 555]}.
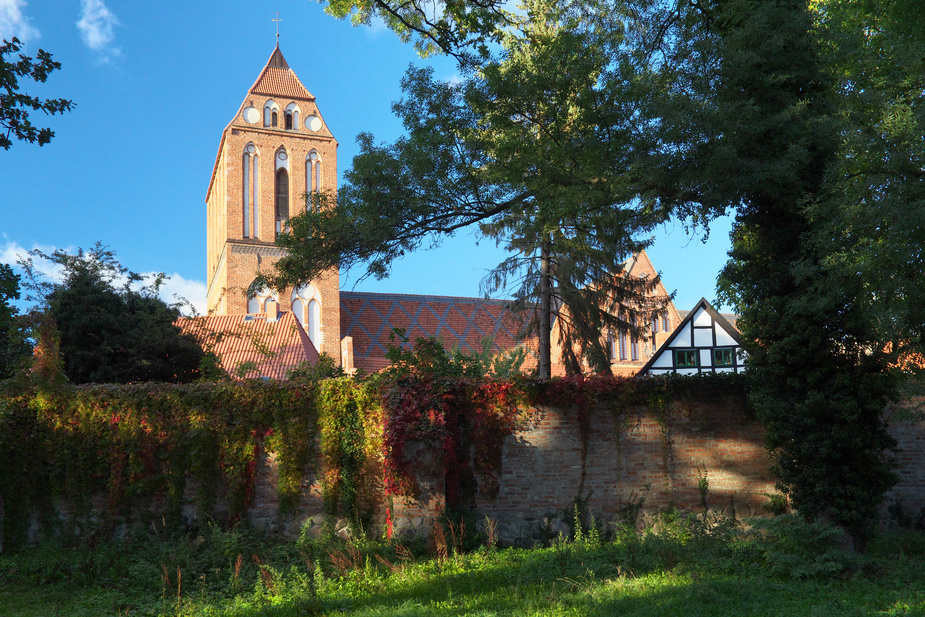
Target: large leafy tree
{"type": "Point", "coordinates": [539, 148]}
{"type": "Point", "coordinates": [112, 327]}
{"type": "Point", "coordinates": [15, 105]}
{"type": "Point", "coordinates": [805, 118]}
{"type": "Point", "coordinates": [821, 276]}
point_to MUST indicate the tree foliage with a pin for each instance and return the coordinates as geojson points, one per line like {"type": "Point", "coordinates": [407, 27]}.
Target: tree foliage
{"type": "Point", "coordinates": [805, 118]}
{"type": "Point", "coordinates": [822, 314]}
{"type": "Point", "coordinates": [539, 149]}
{"type": "Point", "coordinates": [15, 105]}
{"type": "Point", "coordinates": [460, 29]}
{"type": "Point", "coordinates": [13, 344]}
{"type": "Point", "coordinates": [111, 330]}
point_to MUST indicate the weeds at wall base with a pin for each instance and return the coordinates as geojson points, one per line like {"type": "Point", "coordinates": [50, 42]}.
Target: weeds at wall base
{"type": "Point", "coordinates": [191, 573]}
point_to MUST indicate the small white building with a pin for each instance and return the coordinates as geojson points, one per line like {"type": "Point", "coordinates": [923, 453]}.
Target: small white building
{"type": "Point", "coordinates": [704, 342]}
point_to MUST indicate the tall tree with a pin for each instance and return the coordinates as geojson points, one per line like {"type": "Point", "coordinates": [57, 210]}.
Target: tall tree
{"type": "Point", "coordinates": [535, 147]}
{"type": "Point", "coordinates": [806, 119]}
{"type": "Point", "coordinates": [13, 344]}
{"type": "Point", "coordinates": [112, 329]}
{"type": "Point", "coordinates": [15, 105]}
{"type": "Point", "coordinates": [822, 370]}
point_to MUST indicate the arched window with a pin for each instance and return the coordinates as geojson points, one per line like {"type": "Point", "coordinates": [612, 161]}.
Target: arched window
{"type": "Point", "coordinates": [256, 303]}
{"type": "Point", "coordinates": [256, 195]}
{"type": "Point", "coordinates": [282, 199]}
{"type": "Point", "coordinates": [275, 117]}
{"type": "Point", "coordinates": [246, 182]}
{"type": "Point", "coordinates": [314, 323]}
{"type": "Point", "coordinates": [634, 343]}
{"type": "Point", "coordinates": [270, 108]}
{"type": "Point", "coordinates": [313, 171]}
{"type": "Point", "coordinates": [307, 310]}
{"type": "Point", "coordinates": [249, 182]}
{"type": "Point", "coordinates": [298, 309]}
{"type": "Point", "coordinates": [292, 116]}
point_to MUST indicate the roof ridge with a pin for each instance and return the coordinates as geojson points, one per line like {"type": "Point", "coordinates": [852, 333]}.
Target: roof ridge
{"type": "Point", "coordinates": [419, 297]}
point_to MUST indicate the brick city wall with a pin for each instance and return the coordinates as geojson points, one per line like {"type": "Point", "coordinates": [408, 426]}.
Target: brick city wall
{"type": "Point", "coordinates": [545, 469]}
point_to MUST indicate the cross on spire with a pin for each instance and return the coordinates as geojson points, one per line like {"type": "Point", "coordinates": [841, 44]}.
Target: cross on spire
{"type": "Point", "coordinates": [277, 20]}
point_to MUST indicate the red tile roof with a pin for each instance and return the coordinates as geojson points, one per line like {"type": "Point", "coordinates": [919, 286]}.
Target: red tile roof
{"type": "Point", "coordinates": [253, 345]}
{"type": "Point", "coordinates": [277, 79]}
{"type": "Point", "coordinates": [370, 317]}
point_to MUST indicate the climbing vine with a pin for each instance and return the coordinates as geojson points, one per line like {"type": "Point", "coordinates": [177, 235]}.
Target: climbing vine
{"type": "Point", "coordinates": [118, 450]}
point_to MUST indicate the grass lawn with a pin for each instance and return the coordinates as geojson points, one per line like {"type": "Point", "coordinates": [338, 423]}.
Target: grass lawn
{"type": "Point", "coordinates": [786, 567]}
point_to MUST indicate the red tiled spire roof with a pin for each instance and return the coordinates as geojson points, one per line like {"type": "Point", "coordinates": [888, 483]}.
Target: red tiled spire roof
{"type": "Point", "coordinates": [277, 79]}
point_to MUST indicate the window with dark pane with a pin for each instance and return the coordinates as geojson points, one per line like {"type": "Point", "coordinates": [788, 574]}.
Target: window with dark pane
{"type": "Point", "coordinates": [282, 199]}
{"type": "Point", "coordinates": [685, 358]}
{"type": "Point", "coordinates": [723, 356]}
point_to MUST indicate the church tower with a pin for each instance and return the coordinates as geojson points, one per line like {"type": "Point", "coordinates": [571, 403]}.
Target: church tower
{"type": "Point", "coordinates": [275, 150]}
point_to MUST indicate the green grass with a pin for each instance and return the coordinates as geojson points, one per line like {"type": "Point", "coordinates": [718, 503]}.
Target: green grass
{"type": "Point", "coordinates": [686, 567]}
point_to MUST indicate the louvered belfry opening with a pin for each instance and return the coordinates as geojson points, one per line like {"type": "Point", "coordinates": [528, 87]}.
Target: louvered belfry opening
{"type": "Point", "coordinates": [282, 199]}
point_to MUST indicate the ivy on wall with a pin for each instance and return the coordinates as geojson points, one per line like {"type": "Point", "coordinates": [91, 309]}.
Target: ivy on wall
{"type": "Point", "coordinates": [139, 445]}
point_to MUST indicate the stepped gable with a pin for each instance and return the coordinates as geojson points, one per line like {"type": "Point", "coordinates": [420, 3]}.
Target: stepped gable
{"type": "Point", "coordinates": [278, 80]}
{"type": "Point", "coordinates": [464, 322]}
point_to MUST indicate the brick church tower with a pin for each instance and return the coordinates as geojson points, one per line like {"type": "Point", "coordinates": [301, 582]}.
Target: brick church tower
{"type": "Point", "coordinates": [275, 150]}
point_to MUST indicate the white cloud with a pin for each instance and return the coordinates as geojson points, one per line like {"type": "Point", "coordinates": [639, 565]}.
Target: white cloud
{"type": "Point", "coordinates": [176, 289]}
{"type": "Point", "coordinates": [14, 23]}
{"type": "Point", "coordinates": [191, 293]}
{"type": "Point", "coordinates": [13, 252]}
{"type": "Point", "coordinates": [96, 25]}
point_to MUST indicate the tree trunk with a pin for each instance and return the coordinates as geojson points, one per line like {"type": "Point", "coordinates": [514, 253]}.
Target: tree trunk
{"type": "Point", "coordinates": [545, 360]}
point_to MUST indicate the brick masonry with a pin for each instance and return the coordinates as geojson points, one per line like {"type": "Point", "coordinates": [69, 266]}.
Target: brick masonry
{"type": "Point", "coordinates": [235, 257]}
{"type": "Point", "coordinates": [544, 470]}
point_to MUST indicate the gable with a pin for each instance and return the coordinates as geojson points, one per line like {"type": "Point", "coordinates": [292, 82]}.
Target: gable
{"type": "Point", "coordinates": [704, 342]}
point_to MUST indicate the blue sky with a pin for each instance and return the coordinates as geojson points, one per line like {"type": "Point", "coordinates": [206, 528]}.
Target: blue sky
{"type": "Point", "coordinates": [155, 87]}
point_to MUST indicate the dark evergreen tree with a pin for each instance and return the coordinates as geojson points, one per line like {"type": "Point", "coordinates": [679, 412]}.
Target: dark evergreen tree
{"type": "Point", "coordinates": [13, 344]}
{"type": "Point", "coordinates": [112, 329]}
